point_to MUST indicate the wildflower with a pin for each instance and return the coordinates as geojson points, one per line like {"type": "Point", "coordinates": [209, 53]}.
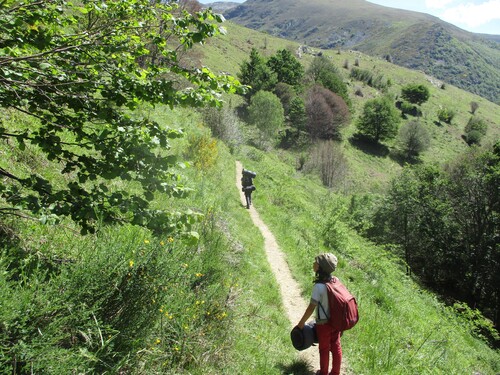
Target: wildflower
{"type": "Point", "coordinates": [198, 274]}
{"type": "Point", "coordinates": [158, 341]}
{"type": "Point", "coordinates": [185, 265]}
{"type": "Point", "coordinates": [162, 243]}
{"type": "Point", "coordinates": [170, 239]}
{"type": "Point", "coordinates": [131, 263]}
{"type": "Point", "coordinates": [176, 348]}
{"type": "Point", "coordinates": [146, 242]}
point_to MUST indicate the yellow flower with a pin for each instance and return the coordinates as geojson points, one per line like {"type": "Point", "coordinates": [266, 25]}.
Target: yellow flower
{"type": "Point", "coordinates": [162, 243]}
{"type": "Point", "coordinates": [198, 274]}
{"type": "Point", "coordinates": [146, 241]}
{"type": "Point", "coordinates": [185, 265]}
{"type": "Point", "coordinates": [158, 341]}
{"type": "Point", "coordinates": [170, 239]}
{"type": "Point", "coordinates": [131, 263]}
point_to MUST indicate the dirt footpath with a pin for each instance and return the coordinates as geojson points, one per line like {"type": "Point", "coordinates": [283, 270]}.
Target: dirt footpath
{"type": "Point", "coordinates": [293, 301]}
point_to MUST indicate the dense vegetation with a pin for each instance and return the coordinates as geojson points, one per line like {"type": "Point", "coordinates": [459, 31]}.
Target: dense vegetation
{"type": "Point", "coordinates": [187, 288]}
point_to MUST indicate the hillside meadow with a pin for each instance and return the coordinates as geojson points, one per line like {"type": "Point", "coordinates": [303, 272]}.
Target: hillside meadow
{"type": "Point", "coordinates": [226, 53]}
{"type": "Point", "coordinates": [127, 301]}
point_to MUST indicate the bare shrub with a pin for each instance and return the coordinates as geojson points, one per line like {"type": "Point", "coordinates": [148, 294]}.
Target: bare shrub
{"type": "Point", "coordinates": [327, 159]}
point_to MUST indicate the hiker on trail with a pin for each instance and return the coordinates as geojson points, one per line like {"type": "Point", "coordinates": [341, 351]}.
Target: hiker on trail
{"type": "Point", "coordinates": [247, 185]}
{"type": "Point", "coordinates": [328, 337]}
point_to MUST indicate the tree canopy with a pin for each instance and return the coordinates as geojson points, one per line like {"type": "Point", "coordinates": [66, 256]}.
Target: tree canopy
{"type": "Point", "coordinates": [256, 74]}
{"type": "Point", "coordinates": [416, 93]}
{"type": "Point", "coordinates": [79, 70]}
{"type": "Point", "coordinates": [379, 119]}
{"type": "Point", "coordinates": [287, 68]}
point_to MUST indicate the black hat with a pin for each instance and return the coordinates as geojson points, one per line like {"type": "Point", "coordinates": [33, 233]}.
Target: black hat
{"type": "Point", "coordinates": [303, 338]}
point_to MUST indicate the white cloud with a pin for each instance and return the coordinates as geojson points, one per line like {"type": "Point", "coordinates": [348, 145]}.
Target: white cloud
{"type": "Point", "coordinates": [471, 14]}
{"type": "Point", "coordinates": [437, 4]}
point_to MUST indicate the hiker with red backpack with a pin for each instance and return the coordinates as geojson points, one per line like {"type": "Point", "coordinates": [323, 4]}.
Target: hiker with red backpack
{"type": "Point", "coordinates": [336, 311]}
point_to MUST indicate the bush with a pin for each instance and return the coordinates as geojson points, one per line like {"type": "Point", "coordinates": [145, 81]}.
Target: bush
{"type": "Point", "coordinates": [473, 137]}
{"type": "Point", "coordinates": [375, 81]}
{"type": "Point", "coordinates": [415, 93]}
{"type": "Point", "coordinates": [414, 139]}
{"type": "Point", "coordinates": [476, 124]}
{"type": "Point", "coordinates": [327, 159]}
{"type": "Point", "coordinates": [224, 124]}
{"type": "Point", "coordinates": [445, 115]}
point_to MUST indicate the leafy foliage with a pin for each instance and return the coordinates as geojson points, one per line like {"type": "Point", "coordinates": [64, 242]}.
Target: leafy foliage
{"type": "Point", "coordinates": [446, 222]}
{"type": "Point", "coordinates": [414, 139]}
{"type": "Point", "coordinates": [371, 79]}
{"type": "Point", "coordinates": [415, 93]}
{"type": "Point", "coordinates": [324, 72]}
{"type": "Point", "coordinates": [446, 115]}
{"type": "Point", "coordinates": [475, 130]}
{"type": "Point", "coordinates": [286, 66]}
{"type": "Point", "coordinates": [379, 119]}
{"type": "Point", "coordinates": [79, 69]}
{"type": "Point", "coordinates": [266, 112]}
{"type": "Point", "coordinates": [257, 74]}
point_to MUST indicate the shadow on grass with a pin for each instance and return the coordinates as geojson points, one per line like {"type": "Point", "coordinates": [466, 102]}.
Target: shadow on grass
{"type": "Point", "coordinates": [298, 367]}
{"type": "Point", "coordinates": [403, 159]}
{"type": "Point", "coordinates": [368, 146]}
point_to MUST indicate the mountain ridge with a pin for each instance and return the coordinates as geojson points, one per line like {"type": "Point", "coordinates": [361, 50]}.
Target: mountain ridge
{"type": "Point", "coordinates": [412, 39]}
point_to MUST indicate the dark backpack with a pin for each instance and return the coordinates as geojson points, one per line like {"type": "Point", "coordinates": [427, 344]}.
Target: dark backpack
{"type": "Point", "coordinates": [343, 306]}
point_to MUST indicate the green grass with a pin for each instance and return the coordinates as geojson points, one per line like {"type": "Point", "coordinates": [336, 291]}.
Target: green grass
{"type": "Point", "coordinates": [403, 329]}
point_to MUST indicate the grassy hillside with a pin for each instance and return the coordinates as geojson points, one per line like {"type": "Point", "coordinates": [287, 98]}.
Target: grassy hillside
{"type": "Point", "coordinates": [125, 300]}
{"type": "Point", "coordinates": [226, 53]}
{"type": "Point", "coordinates": [414, 40]}
{"type": "Point", "coordinates": [402, 329]}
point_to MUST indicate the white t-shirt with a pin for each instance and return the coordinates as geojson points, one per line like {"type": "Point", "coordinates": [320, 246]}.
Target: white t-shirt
{"type": "Point", "coordinates": [320, 295]}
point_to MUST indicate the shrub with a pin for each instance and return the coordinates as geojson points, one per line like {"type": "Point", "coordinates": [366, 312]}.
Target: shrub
{"type": "Point", "coordinates": [224, 124]}
{"type": "Point", "coordinates": [445, 115]}
{"type": "Point", "coordinates": [328, 160]}
{"type": "Point", "coordinates": [415, 93]}
{"type": "Point", "coordinates": [414, 139]}
{"type": "Point", "coordinates": [375, 81]}
{"type": "Point", "coordinates": [202, 150]}
{"type": "Point", "coordinates": [473, 137]}
{"type": "Point", "coordinates": [476, 124]}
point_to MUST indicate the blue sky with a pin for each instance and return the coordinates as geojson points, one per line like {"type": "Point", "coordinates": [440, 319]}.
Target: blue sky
{"type": "Point", "coordinates": [479, 16]}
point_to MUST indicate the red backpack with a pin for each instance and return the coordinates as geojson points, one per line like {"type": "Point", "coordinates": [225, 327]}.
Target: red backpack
{"type": "Point", "coordinates": [343, 306]}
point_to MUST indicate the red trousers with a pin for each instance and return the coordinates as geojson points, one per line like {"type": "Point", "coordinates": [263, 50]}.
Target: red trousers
{"type": "Point", "coordinates": [328, 342]}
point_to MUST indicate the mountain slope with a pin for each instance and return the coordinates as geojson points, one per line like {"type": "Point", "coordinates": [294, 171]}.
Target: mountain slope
{"type": "Point", "coordinates": [411, 39]}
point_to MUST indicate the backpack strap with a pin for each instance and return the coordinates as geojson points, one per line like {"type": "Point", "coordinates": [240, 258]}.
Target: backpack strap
{"type": "Point", "coordinates": [333, 279]}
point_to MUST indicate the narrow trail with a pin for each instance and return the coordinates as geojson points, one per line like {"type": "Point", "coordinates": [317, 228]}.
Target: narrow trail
{"type": "Point", "coordinates": [293, 301]}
